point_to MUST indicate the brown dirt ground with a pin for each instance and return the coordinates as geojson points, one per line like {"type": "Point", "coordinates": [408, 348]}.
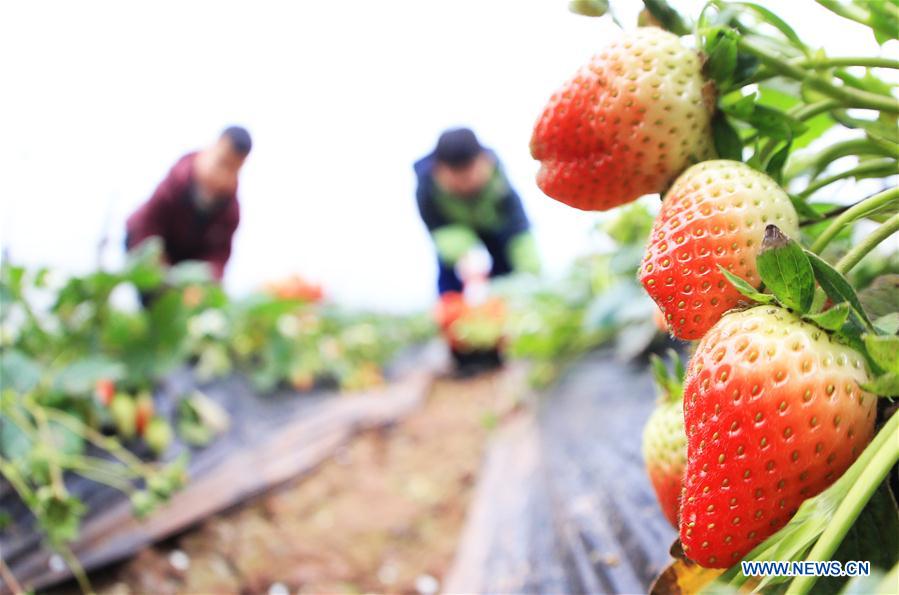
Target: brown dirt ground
{"type": "Point", "coordinates": [384, 511]}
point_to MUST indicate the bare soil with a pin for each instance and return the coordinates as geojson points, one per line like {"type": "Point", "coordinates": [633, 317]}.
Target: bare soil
{"type": "Point", "coordinates": [384, 514]}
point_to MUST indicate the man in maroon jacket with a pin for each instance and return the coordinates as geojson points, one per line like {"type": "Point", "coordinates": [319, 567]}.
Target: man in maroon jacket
{"type": "Point", "coordinates": [194, 210]}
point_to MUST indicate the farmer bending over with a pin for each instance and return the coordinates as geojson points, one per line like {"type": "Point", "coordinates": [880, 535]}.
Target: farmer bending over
{"type": "Point", "coordinates": [465, 200]}
{"type": "Point", "coordinates": [194, 210]}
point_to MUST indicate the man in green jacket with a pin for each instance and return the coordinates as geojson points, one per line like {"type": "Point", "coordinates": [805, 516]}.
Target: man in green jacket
{"type": "Point", "coordinates": [465, 200]}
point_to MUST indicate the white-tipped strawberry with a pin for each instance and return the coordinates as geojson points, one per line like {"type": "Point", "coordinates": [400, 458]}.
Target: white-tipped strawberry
{"type": "Point", "coordinates": [714, 214]}
{"type": "Point", "coordinates": [664, 438]}
{"type": "Point", "coordinates": [627, 124]}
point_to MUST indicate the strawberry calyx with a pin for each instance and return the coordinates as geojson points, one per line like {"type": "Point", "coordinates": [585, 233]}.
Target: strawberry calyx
{"type": "Point", "coordinates": [670, 382]}
{"type": "Point", "coordinates": [799, 280]}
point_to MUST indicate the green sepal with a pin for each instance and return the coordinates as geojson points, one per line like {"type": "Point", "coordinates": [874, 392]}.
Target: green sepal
{"type": "Point", "coordinates": [836, 286]}
{"type": "Point", "coordinates": [728, 144]}
{"type": "Point", "coordinates": [886, 385]}
{"type": "Point", "coordinates": [745, 288]}
{"type": "Point", "coordinates": [888, 324]}
{"type": "Point", "coordinates": [670, 383]}
{"type": "Point", "coordinates": [884, 350]}
{"type": "Point", "coordinates": [786, 271]}
{"type": "Point", "coordinates": [721, 47]}
{"type": "Point", "coordinates": [832, 319]}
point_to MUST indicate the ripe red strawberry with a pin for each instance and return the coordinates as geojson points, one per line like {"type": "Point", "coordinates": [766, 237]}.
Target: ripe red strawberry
{"type": "Point", "coordinates": [774, 414]}
{"type": "Point", "coordinates": [664, 440]}
{"type": "Point", "coordinates": [714, 214]}
{"type": "Point", "coordinates": [626, 125]}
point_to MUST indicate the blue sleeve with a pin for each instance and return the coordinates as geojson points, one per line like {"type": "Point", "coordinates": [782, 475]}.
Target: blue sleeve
{"type": "Point", "coordinates": [426, 206]}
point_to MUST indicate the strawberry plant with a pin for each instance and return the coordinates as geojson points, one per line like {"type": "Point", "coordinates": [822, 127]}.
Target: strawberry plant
{"type": "Point", "coordinates": [664, 438]}
{"type": "Point", "coordinates": [745, 131]}
{"type": "Point", "coordinates": [79, 369]}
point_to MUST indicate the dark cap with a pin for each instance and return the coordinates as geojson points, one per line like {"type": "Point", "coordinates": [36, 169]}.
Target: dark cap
{"type": "Point", "coordinates": [457, 147]}
{"type": "Point", "coordinates": [240, 139]}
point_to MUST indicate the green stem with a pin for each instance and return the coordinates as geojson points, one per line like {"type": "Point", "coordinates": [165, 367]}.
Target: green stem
{"type": "Point", "coordinates": [848, 96]}
{"type": "Point", "coordinates": [852, 505]}
{"type": "Point", "coordinates": [862, 209]}
{"type": "Point", "coordinates": [111, 445]}
{"type": "Point", "coordinates": [43, 428]}
{"type": "Point", "coordinates": [855, 146]}
{"type": "Point", "coordinates": [889, 227]}
{"type": "Point", "coordinates": [77, 569]}
{"type": "Point", "coordinates": [847, 11]}
{"type": "Point", "coordinates": [878, 166]}
{"type": "Point", "coordinates": [843, 61]}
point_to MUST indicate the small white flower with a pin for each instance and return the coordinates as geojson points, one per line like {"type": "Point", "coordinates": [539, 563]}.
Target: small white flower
{"type": "Point", "coordinates": [426, 584]}
{"type": "Point", "coordinates": [289, 326]}
{"type": "Point", "coordinates": [208, 323]}
{"type": "Point", "coordinates": [179, 560]}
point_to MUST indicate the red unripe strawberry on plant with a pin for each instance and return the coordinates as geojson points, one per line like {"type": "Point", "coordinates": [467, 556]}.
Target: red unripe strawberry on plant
{"type": "Point", "coordinates": [449, 309]}
{"type": "Point", "coordinates": [105, 391]}
{"type": "Point", "coordinates": [774, 415]}
{"type": "Point", "coordinates": [664, 440]}
{"type": "Point", "coordinates": [627, 124]}
{"type": "Point", "coordinates": [714, 214]}
{"type": "Point", "coordinates": [143, 412]}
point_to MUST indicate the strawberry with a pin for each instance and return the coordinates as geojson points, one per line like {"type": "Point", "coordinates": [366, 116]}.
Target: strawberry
{"type": "Point", "coordinates": [143, 411]}
{"type": "Point", "coordinates": [450, 307]}
{"type": "Point", "coordinates": [774, 414]}
{"type": "Point", "coordinates": [158, 435]}
{"type": "Point", "coordinates": [105, 391]}
{"type": "Point", "coordinates": [658, 317]}
{"type": "Point", "coordinates": [664, 440]}
{"type": "Point", "coordinates": [714, 214]}
{"type": "Point", "coordinates": [626, 125]}
{"type": "Point", "coordinates": [296, 288]}
{"type": "Point", "coordinates": [123, 413]}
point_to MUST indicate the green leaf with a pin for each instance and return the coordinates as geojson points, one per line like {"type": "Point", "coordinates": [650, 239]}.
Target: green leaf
{"type": "Point", "coordinates": [772, 19]}
{"type": "Point", "coordinates": [884, 350]}
{"type": "Point", "coordinates": [775, 123]}
{"type": "Point", "coordinates": [889, 324]}
{"type": "Point", "coordinates": [832, 319]}
{"type": "Point", "coordinates": [742, 108]}
{"type": "Point", "coordinates": [884, 20]}
{"type": "Point", "coordinates": [835, 285]}
{"type": "Point", "coordinates": [803, 209]}
{"type": "Point", "coordinates": [745, 288]}
{"type": "Point", "coordinates": [670, 19]}
{"type": "Point", "coordinates": [722, 59]}
{"type": "Point", "coordinates": [873, 537]}
{"type": "Point", "coordinates": [189, 272]}
{"type": "Point", "coordinates": [18, 371]}
{"type": "Point", "coordinates": [14, 442]}
{"type": "Point", "coordinates": [775, 165]}
{"type": "Point", "coordinates": [785, 270]}
{"type": "Point", "coordinates": [59, 516]}
{"type": "Point", "coordinates": [886, 385]}
{"type": "Point", "coordinates": [727, 141]}
{"type": "Point", "coordinates": [881, 297]}
{"type": "Point", "coordinates": [747, 66]}
{"type": "Point", "coordinates": [80, 377]}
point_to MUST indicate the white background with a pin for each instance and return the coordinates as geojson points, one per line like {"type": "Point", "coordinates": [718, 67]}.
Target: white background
{"type": "Point", "coordinates": [100, 98]}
